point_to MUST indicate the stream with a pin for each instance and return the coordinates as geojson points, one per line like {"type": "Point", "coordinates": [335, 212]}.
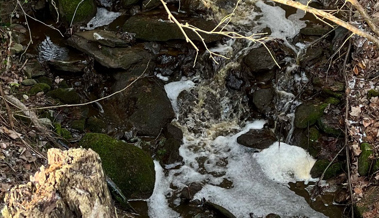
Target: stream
{"type": "Point", "coordinates": [214, 167]}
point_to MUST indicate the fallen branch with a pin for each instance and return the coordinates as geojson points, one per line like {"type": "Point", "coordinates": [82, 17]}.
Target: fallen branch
{"type": "Point", "coordinates": [330, 17]}
{"type": "Point", "coordinates": [365, 16]}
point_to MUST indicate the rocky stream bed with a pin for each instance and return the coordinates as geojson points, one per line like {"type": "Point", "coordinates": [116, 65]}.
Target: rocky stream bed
{"type": "Point", "coordinates": [178, 134]}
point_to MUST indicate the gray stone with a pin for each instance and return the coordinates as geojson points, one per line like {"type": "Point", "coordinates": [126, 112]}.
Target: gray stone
{"type": "Point", "coordinates": [122, 58]}
{"type": "Point", "coordinates": [28, 82]}
{"type": "Point", "coordinates": [73, 66]}
{"type": "Point", "coordinates": [107, 38]}
{"type": "Point", "coordinates": [262, 98]}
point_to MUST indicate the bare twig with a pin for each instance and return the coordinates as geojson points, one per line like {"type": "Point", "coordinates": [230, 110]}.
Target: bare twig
{"type": "Point", "coordinates": [8, 66]}
{"type": "Point", "coordinates": [76, 9]}
{"type": "Point", "coordinates": [9, 111]}
{"type": "Point", "coordinates": [365, 16]}
{"type": "Point", "coordinates": [97, 100]}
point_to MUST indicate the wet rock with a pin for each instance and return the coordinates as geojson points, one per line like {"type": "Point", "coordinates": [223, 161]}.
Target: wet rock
{"type": "Point", "coordinates": [272, 215]}
{"type": "Point", "coordinates": [330, 87]}
{"type": "Point", "coordinates": [150, 4]}
{"type": "Point", "coordinates": [154, 26]}
{"type": "Point", "coordinates": [308, 114]}
{"type": "Point", "coordinates": [368, 205]}
{"type": "Point", "coordinates": [39, 87]}
{"type": "Point", "coordinates": [67, 96]}
{"type": "Point", "coordinates": [262, 98]}
{"type": "Point", "coordinates": [223, 212]}
{"type": "Point", "coordinates": [74, 66]}
{"type": "Point", "coordinates": [315, 30]}
{"type": "Point", "coordinates": [130, 168]}
{"type": "Point", "coordinates": [73, 185]}
{"type": "Point", "coordinates": [190, 191]}
{"type": "Point", "coordinates": [107, 38]}
{"type": "Point", "coordinates": [170, 146]}
{"type": "Point", "coordinates": [28, 82]}
{"type": "Point", "coordinates": [320, 165]}
{"type": "Point", "coordinates": [257, 138]}
{"type": "Point", "coordinates": [145, 105]}
{"type": "Point", "coordinates": [234, 82]}
{"type": "Point", "coordinates": [66, 8]}
{"type": "Point", "coordinates": [259, 59]}
{"type": "Point", "coordinates": [310, 55]}
{"type": "Point", "coordinates": [109, 57]}
{"type": "Point", "coordinates": [365, 159]}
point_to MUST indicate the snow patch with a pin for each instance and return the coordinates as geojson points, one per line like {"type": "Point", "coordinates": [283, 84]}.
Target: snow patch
{"type": "Point", "coordinates": [103, 17]}
{"type": "Point", "coordinates": [173, 90]}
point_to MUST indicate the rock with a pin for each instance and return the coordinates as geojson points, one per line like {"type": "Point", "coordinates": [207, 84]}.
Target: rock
{"type": "Point", "coordinates": [39, 87]}
{"type": "Point", "coordinates": [190, 191]}
{"type": "Point", "coordinates": [154, 26]}
{"type": "Point", "coordinates": [170, 146]}
{"type": "Point", "coordinates": [73, 66]}
{"type": "Point", "coordinates": [310, 55]}
{"type": "Point", "coordinates": [33, 69]}
{"type": "Point", "coordinates": [28, 82]}
{"type": "Point", "coordinates": [257, 138]}
{"type": "Point", "coordinates": [78, 124]}
{"type": "Point", "coordinates": [150, 4]}
{"type": "Point", "coordinates": [320, 165]}
{"type": "Point", "coordinates": [368, 205]}
{"type": "Point", "coordinates": [67, 96]}
{"type": "Point", "coordinates": [107, 38]}
{"type": "Point", "coordinates": [66, 8]}
{"type": "Point", "coordinates": [259, 59]}
{"type": "Point", "coordinates": [308, 114]}
{"type": "Point", "coordinates": [128, 3]}
{"type": "Point", "coordinates": [122, 58]}
{"type": "Point", "coordinates": [17, 48]}
{"type": "Point", "coordinates": [329, 124]}
{"type": "Point", "coordinates": [46, 80]}
{"type": "Point", "coordinates": [130, 168]}
{"type": "Point", "coordinates": [262, 98]}
{"type": "Point", "coordinates": [96, 125]}
{"type": "Point", "coordinates": [73, 185]}
{"type": "Point", "coordinates": [315, 30]}
{"type": "Point", "coordinates": [144, 105]}
{"type": "Point", "coordinates": [364, 160]}
{"type": "Point", "coordinates": [223, 212]}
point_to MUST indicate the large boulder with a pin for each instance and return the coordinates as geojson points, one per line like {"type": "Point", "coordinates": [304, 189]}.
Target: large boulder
{"type": "Point", "coordinates": [129, 167]}
{"type": "Point", "coordinates": [257, 138]}
{"type": "Point", "coordinates": [154, 26]}
{"type": "Point", "coordinates": [144, 106]}
{"type": "Point", "coordinates": [259, 59]}
{"type": "Point", "coordinates": [84, 12]}
{"type": "Point", "coordinates": [73, 185]}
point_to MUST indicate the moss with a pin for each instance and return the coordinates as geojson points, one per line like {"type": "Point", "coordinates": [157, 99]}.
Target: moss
{"type": "Point", "coordinates": [95, 124]}
{"type": "Point", "coordinates": [333, 93]}
{"type": "Point", "coordinates": [86, 10]}
{"type": "Point", "coordinates": [78, 124]}
{"type": "Point", "coordinates": [324, 126]}
{"type": "Point", "coordinates": [332, 100]}
{"type": "Point", "coordinates": [320, 165]}
{"type": "Point", "coordinates": [68, 96]}
{"type": "Point", "coordinates": [39, 87]}
{"type": "Point", "coordinates": [364, 160]}
{"type": "Point", "coordinates": [44, 79]}
{"type": "Point", "coordinates": [308, 114]}
{"type": "Point", "coordinates": [372, 93]}
{"type": "Point", "coordinates": [63, 132]}
{"type": "Point", "coordinates": [130, 168]}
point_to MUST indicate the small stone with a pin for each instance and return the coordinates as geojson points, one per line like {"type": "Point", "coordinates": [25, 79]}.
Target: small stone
{"type": "Point", "coordinates": [17, 48]}
{"type": "Point", "coordinates": [28, 82]}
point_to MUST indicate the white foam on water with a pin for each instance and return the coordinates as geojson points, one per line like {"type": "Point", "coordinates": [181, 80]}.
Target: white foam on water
{"type": "Point", "coordinates": [285, 163]}
{"type": "Point", "coordinates": [103, 17]}
{"type": "Point", "coordinates": [157, 203]}
{"type": "Point", "coordinates": [173, 90]}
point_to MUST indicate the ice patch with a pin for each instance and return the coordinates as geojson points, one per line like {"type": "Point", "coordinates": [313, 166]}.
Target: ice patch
{"type": "Point", "coordinates": [286, 163]}
{"type": "Point", "coordinates": [103, 17]}
{"type": "Point", "coordinates": [173, 90]}
{"type": "Point", "coordinates": [49, 51]}
{"type": "Point", "coordinates": [157, 203]}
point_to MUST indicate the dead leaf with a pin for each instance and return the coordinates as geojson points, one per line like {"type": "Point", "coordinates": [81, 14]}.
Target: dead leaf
{"type": "Point", "coordinates": [356, 149]}
{"type": "Point", "coordinates": [367, 122]}
{"type": "Point", "coordinates": [355, 70]}
{"type": "Point", "coordinates": [10, 133]}
{"type": "Point", "coordinates": [355, 111]}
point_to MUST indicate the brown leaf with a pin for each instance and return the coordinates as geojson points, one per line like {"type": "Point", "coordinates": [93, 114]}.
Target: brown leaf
{"type": "Point", "coordinates": [355, 70]}
{"type": "Point", "coordinates": [367, 122]}
{"type": "Point", "coordinates": [355, 111]}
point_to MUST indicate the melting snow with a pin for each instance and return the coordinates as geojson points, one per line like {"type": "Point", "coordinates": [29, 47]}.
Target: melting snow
{"type": "Point", "coordinates": [103, 17]}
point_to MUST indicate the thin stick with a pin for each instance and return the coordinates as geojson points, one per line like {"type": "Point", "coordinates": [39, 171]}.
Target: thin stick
{"type": "Point", "coordinates": [97, 100]}
{"type": "Point", "coordinates": [73, 16]}
{"type": "Point", "coordinates": [8, 66]}
{"type": "Point", "coordinates": [365, 16]}
{"type": "Point", "coordinates": [9, 111]}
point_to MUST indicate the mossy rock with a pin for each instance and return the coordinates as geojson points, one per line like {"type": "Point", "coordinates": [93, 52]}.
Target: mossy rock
{"type": "Point", "coordinates": [308, 114]}
{"type": "Point", "coordinates": [86, 10]}
{"type": "Point", "coordinates": [332, 100]}
{"type": "Point", "coordinates": [78, 124]}
{"type": "Point", "coordinates": [325, 124]}
{"type": "Point", "coordinates": [39, 87]}
{"type": "Point", "coordinates": [367, 206]}
{"type": "Point", "coordinates": [44, 79]}
{"type": "Point", "coordinates": [95, 124]}
{"type": "Point", "coordinates": [63, 132]}
{"type": "Point", "coordinates": [130, 168]}
{"type": "Point", "coordinates": [68, 96]}
{"type": "Point", "coordinates": [372, 93]}
{"type": "Point", "coordinates": [308, 140]}
{"type": "Point", "coordinates": [320, 165]}
{"type": "Point", "coordinates": [364, 160]}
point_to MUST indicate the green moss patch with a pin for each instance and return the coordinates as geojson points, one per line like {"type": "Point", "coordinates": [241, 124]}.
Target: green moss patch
{"type": "Point", "coordinates": [86, 10]}
{"type": "Point", "coordinates": [39, 87]}
{"type": "Point", "coordinates": [68, 96]}
{"type": "Point", "coordinates": [365, 161]}
{"type": "Point", "coordinates": [130, 168]}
